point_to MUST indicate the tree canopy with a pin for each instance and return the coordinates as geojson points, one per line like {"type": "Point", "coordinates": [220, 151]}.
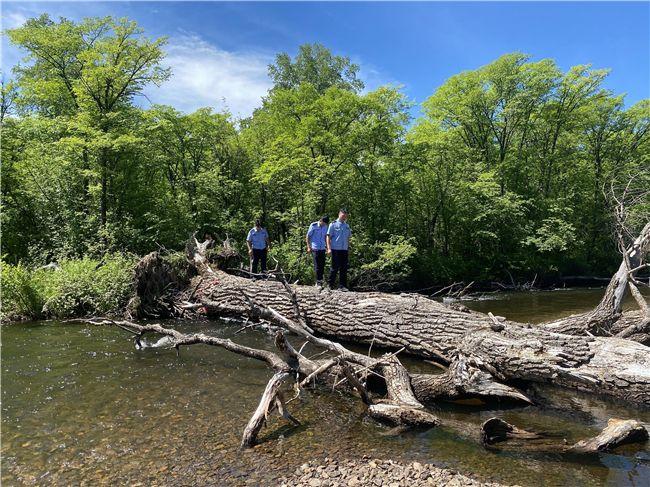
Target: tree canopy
{"type": "Point", "coordinates": [504, 173]}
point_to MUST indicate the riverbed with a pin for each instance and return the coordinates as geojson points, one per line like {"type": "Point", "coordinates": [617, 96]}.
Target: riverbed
{"type": "Point", "coordinates": [80, 405]}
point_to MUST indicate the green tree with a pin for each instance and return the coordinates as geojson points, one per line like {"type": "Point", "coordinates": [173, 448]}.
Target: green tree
{"type": "Point", "coordinates": [88, 73]}
{"type": "Point", "coordinates": [316, 65]}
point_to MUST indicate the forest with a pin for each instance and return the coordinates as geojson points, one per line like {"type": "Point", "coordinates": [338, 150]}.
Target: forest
{"type": "Point", "coordinates": [506, 175]}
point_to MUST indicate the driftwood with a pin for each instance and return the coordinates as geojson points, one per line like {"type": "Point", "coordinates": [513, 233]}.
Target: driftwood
{"type": "Point", "coordinates": [503, 350]}
{"type": "Point", "coordinates": [425, 328]}
{"type": "Point", "coordinates": [483, 355]}
{"type": "Point", "coordinates": [617, 432]}
{"type": "Point", "coordinates": [397, 404]}
{"type": "Point", "coordinates": [603, 319]}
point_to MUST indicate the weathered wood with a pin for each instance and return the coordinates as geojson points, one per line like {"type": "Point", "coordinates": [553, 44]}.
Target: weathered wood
{"type": "Point", "coordinates": [496, 430]}
{"type": "Point", "coordinates": [258, 420]}
{"type": "Point", "coordinates": [463, 381]}
{"type": "Point", "coordinates": [400, 405]}
{"type": "Point", "coordinates": [426, 328]}
{"type": "Point", "coordinates": [617, 432]}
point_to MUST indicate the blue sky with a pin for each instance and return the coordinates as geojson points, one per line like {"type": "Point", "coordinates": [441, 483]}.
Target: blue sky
{"type": "Point", "coordinates": [219, 50]}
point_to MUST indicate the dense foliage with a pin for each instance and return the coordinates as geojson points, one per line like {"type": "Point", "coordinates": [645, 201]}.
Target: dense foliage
{"type": "Point", "coordinates": [77, 287]}
{"type": "Point", "coordinates": [504, 173]}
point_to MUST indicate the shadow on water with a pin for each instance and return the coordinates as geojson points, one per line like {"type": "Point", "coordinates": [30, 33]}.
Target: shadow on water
{"type": "Point", "coordinates": [80, 404]}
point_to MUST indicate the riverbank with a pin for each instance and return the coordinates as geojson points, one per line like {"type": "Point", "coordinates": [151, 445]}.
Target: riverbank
{"type": "Point", "coordinates": [376, 472]}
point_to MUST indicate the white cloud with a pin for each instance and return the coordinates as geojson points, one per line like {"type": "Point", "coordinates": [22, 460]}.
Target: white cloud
{"type": "Point", "coordinates": [11, 20]}
{"type": "Point", "coordinates": [204, 75]}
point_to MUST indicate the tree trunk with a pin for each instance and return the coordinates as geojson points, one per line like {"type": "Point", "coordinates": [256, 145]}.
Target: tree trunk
{"type": "Point", "coordinates": [425, 328]}
{"type": "Point", "coordinates": [397, 403]}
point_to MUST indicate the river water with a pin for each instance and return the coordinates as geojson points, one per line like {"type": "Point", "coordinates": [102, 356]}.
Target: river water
{"type": "Point", "coordinates": [81, 406]}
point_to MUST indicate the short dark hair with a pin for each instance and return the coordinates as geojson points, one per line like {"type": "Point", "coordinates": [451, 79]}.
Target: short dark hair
{"type": "Point", "coordinates": [258, 223]}
{"type": "Point", "coordinates": [325, 219]}
{"type": "Point", "coordinates": [343, 210]}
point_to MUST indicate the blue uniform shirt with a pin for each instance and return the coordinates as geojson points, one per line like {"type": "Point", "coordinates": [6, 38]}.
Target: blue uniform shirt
{"type": "Point", "coordinates": [339, 233]}
{"type": "Point", "coordinates": [257, 238]}
{"type": "Point", "coordinates": [316, 235]}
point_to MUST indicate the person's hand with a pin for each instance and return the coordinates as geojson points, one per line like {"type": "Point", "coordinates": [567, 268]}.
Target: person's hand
{"type": "Point", "coordinates": [309, 250]}
{"type": "Point", "coordinates": [329, 251]}
{"type": "Point", "coordinates": [250, 251]}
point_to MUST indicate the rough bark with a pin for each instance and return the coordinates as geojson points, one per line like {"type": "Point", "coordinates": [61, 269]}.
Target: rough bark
{"type": "Point", "coordinates": [462, 380]}
{"type": "Point", "coordinates": [399, 404]}
{"type": "Point", "coordinates": [425, 328]}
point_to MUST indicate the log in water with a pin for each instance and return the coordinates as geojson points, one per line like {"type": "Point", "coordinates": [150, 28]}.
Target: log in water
{"type": "Point", "coordinates": [80, 402]}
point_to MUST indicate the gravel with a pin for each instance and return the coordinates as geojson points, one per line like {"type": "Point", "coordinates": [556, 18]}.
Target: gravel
{"type": "Point", "coordinates": [374, 472]}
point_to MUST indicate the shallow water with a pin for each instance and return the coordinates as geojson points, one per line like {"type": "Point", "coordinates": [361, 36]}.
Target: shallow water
{"type": "Point", "coordinates": [81, 406]}
{"type": "Point", "coordinates": [539, 306]}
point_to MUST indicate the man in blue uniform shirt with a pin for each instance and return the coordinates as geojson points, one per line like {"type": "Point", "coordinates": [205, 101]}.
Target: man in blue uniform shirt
{"type": "Point", "coordinates": [338, 242]}
{"type": "Point", "coordinates": [316, 246]}
{"type": "Point", "coordinates": [258, 244]}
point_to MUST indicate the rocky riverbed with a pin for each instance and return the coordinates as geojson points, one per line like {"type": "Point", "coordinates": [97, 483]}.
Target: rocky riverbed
{"type": "Point", "coordinates": [375, 472]}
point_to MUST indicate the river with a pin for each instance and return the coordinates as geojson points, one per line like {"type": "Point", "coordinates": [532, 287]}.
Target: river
{"type": "Point", "coordinates": [81, 406]}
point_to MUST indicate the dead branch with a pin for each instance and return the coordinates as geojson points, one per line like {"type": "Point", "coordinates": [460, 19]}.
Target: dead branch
{"type": "Point", "coordinates": [616, 433]}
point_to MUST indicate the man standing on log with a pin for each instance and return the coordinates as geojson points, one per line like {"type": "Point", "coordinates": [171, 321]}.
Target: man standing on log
{"type": "Point", "coordinates": [258, 245]}
{"type": "Point", "coordinates": [316, 246]}
{"type": "Point", "coordinates": [338, 240]}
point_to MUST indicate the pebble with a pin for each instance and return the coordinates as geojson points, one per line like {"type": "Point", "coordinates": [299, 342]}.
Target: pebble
{"type": "Point", "coordinates": [375, 472]}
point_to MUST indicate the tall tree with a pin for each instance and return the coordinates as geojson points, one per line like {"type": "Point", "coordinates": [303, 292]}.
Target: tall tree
{"type": "Point", "coordinates": [89, 71]}
{"type": "Point", "coordinates": [316, 65]}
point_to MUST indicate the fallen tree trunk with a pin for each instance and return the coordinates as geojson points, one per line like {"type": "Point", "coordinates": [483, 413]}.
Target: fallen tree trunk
{"type": "Point", "coordinates": [399, 405]}
{"type": "Point", "coordinates": [615, 367]}
{"type": "Point", "coordinates": [503, 350]}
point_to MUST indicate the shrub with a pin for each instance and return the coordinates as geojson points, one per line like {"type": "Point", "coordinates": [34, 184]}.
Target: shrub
{"type": "Point", "coordinates": [76, 288]}
{"type": "Point", "coordinates": [21, 296]}
{"type": "Point", "coordinates": [85, 286]}
{"type": "Point", "coordinates": [293, 259]}
{"type": "Point", "coordinates": [392, 264]}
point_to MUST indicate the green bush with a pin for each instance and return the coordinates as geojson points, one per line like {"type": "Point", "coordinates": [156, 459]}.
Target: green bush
{"type": "Point", "coordinates": [85, 286]}
{"type": "Point", "coordinates": [21, 294]}
{"type": "Point", "coordinates": [391, 264]}
{"type": "Point", "coordinates": [294, 260]}
{"type": "Point", "coordinates": [77, 288]}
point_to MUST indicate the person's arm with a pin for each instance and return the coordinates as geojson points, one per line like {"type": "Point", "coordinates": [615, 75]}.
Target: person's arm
{"type": "Point", "coordinates": [248, 244]}
{"type": "Point", "coordinates": [328, 239]}
{"type": "Point", "coordinates": [310, 232]}
{"type": "Point", "coordinates": [268, 241]}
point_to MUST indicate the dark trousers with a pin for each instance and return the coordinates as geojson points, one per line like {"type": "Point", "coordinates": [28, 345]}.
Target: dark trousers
{"type": "Point", "coordinates": [319, 263]}
{"type": "Point", "coordinates": [340, 265]}
{"type": "Point", "coordinates": [259, 257]}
